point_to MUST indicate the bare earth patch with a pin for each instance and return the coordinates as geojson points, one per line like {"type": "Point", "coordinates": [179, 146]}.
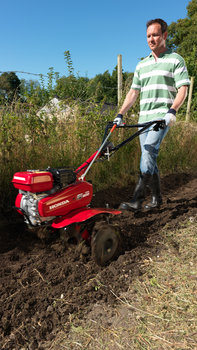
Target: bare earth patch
{"type": "Point", "coordinates": [53, 297]}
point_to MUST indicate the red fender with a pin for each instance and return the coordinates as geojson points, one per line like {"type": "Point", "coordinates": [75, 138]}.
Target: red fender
{"type": "Point", "coordinates": [80, 215]}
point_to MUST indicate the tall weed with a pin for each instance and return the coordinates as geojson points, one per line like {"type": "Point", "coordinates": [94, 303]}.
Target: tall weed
{"type": "Point", "coordinates": [178, 151]}
{"type": "Point", "coordinates": [35, 141]}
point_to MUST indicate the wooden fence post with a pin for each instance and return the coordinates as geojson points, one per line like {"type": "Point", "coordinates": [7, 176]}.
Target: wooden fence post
{"type": "Point", "coordinates": [119, 78]}
{"type": "Point", "coordinates": [189, 100]}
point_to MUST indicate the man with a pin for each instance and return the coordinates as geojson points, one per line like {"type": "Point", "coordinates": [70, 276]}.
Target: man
{"type": "Point", "coordinates": [162, 81]}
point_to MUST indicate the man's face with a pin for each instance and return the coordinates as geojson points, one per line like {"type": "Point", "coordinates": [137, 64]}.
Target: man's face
{"type": "Point", "coordinates": [155, 38]}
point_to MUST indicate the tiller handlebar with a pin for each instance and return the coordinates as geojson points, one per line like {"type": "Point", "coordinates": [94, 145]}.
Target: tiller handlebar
{"type": "Point", "coordinates": [157, 125]}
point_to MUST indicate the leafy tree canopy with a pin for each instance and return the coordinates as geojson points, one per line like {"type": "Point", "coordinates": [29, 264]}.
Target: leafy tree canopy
{"type": "Point", "coordinates": [9, 86]}
{"type": "Point", "coordinates": [182, 35]}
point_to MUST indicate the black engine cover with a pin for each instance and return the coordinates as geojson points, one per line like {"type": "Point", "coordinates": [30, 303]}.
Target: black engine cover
{"type": "Point", "coordinates": [63, 176]}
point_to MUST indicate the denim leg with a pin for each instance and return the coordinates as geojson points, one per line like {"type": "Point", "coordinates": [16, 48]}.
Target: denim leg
{"type": "Point", "coordinates": [150, 142]}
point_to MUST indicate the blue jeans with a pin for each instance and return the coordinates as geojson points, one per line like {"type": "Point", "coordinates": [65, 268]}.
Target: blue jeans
{"type": "Point", "coordinates": [150, 142]}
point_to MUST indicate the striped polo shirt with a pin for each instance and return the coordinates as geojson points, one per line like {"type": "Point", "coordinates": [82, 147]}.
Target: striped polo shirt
{"type": "Point", "coordinates": [158, 82]}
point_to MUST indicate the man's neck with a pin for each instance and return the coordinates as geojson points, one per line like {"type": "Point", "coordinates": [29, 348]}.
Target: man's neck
{"type": "Point", "coordinates": [158, 52]}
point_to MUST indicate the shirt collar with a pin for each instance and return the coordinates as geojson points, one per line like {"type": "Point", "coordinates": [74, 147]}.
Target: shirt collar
{"type": "Point", "coordinates": [161, 54]}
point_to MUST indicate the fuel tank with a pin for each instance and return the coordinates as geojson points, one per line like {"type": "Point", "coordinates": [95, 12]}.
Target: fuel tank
{"type": "Point", "coordinates": [33, 181]}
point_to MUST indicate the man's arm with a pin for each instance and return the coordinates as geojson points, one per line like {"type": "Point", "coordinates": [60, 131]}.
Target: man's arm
{"type": "Point", "coordinates": [129, 101]}
{"type": "Point", "coordinates": [170, 117]}
{"type": "Point", "coordinates": [180, 97]}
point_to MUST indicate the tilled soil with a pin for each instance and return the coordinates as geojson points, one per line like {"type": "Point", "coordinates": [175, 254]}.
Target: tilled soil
{"type": "Point", "coordinates": [43, 282]}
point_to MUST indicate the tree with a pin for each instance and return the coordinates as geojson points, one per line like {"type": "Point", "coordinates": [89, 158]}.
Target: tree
{"type": "Point", "coordinates": [33, 93]}
{"type": "Point", "coordinates": [182, 37]}
{"type": "Point", "coordinates": [102, 87]}
{"type": "Point", "coordinates": [9, 86]}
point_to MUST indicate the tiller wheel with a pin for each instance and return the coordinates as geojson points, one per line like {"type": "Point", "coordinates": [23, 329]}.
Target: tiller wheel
{"type": "Point", "coordinates": [105, 243]}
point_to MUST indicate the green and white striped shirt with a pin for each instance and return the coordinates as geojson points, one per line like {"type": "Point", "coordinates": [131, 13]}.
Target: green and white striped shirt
{"type": "Point", "coordinates": [158, 82]}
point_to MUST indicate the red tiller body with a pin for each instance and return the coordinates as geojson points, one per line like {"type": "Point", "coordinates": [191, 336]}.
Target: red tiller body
{"type": "Point", "coordinates": [72, 197]}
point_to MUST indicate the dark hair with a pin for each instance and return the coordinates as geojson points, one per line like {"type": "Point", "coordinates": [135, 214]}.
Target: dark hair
{"type": "Point", "coordinates": [164, 26]}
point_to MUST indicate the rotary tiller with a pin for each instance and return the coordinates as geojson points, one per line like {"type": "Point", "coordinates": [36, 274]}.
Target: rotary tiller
{"type": "Point", "coordinates": [60, 199]}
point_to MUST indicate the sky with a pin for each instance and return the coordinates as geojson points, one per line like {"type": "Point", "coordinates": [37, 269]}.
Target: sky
{"type": "Point", "coordinates": [35, 34]}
